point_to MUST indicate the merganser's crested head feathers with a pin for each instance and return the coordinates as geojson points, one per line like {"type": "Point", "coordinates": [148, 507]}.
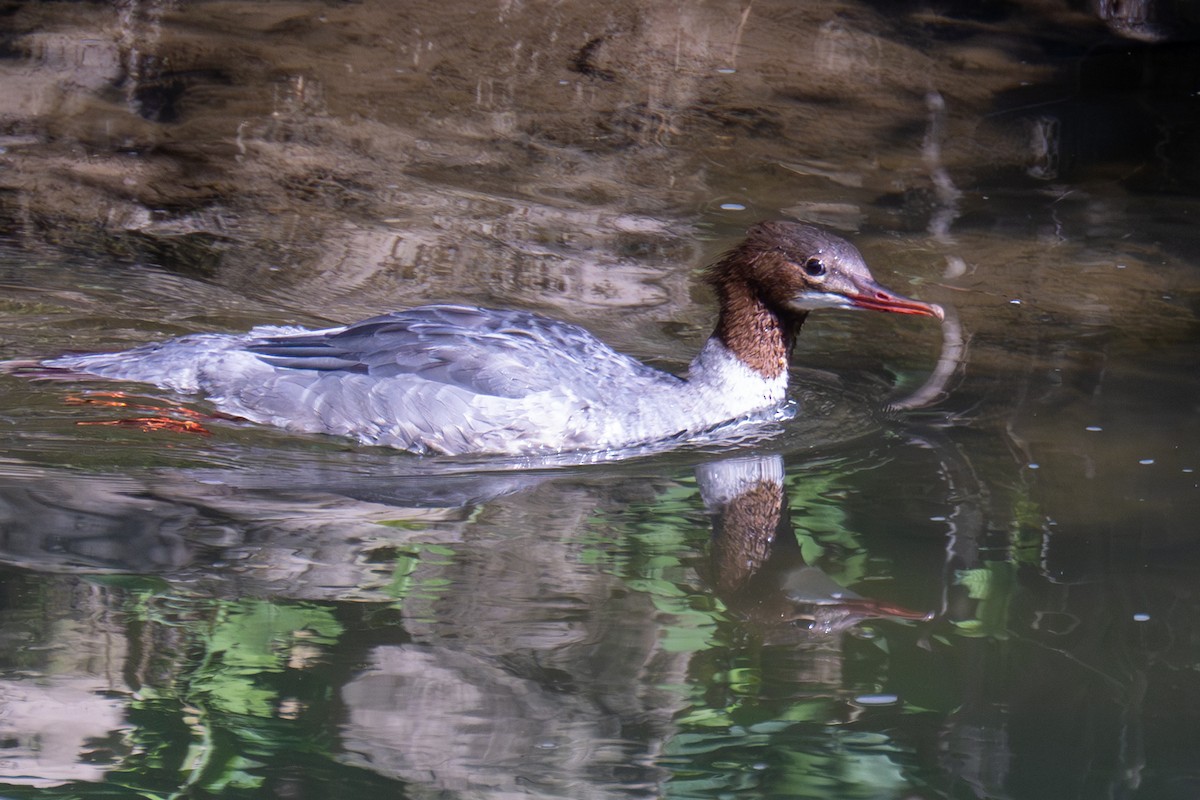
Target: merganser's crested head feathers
{"type": "Point", "coordinates": [781, 271]}
{"type": "Point", "coordinates": [795, 268]}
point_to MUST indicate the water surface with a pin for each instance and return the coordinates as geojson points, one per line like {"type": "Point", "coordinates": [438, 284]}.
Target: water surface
{"type": "Point", "coordinates": [982, 586]}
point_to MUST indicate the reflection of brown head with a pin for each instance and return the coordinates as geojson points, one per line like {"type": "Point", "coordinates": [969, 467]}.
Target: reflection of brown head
{"type": "Point", "coordinates": [757, 566]}
{"type": "Point", "coordinates": [744, 532]}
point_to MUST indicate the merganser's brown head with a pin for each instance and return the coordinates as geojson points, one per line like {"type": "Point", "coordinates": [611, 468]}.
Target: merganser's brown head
{"type": "Point", "coordinates": [780, 272]}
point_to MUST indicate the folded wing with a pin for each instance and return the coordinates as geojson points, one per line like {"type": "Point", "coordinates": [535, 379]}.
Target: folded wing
{"type": "Point", "coordinates": [508, 354]}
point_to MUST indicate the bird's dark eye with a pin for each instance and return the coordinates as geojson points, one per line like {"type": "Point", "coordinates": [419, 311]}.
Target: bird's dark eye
{"type": "Point", "coordinates": [814, 268]}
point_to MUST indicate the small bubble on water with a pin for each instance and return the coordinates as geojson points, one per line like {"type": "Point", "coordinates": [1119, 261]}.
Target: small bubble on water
{"type": "Point", "coordinates": [877, 699]}
{"type": "Point", "coordinates": [1146, 461]}
{"type": "Point", "coordinates": [1093, 428]}
{"type": "Point", "coordinates": [732, 207]}
{"type": "Point", "coordinates": [1033, 465]}
{"type": "Point", "coordinates": [1016, 301]}
{"type": "Point", "coordinates": [938, 518]}
{"type": "Point", "coordinates": [1141, 616]}
{"type": "Point", "coordinates": [726, 70]}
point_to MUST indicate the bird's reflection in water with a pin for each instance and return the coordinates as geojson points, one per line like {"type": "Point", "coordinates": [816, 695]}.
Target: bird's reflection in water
{"type": "Point", "coordinates": [756, 564]}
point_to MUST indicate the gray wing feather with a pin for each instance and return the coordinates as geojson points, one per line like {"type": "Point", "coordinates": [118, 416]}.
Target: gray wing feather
{"type": "Point", "coordinates": [499, 353]}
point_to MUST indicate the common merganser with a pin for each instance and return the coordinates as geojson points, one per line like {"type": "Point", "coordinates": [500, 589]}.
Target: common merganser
{"type": "Point", "coordinates": [455, 379]}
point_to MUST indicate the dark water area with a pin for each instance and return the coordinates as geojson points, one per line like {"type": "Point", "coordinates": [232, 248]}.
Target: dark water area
{"type": "Point", "coordinates": [967, 568]}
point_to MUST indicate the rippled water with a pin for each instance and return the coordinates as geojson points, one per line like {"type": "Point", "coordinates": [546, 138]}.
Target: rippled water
{"type": "Point", "coordinates": [967, 568]}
